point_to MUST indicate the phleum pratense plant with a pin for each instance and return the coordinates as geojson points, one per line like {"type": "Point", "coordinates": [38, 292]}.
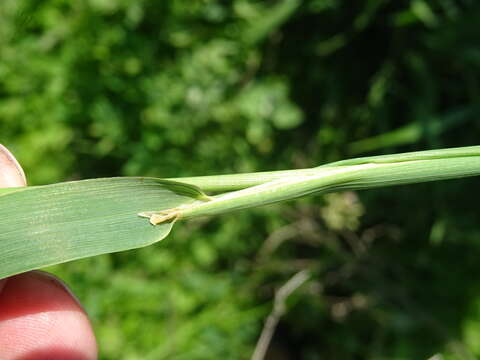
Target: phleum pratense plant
{"type": "Point", "coordinates": [51, 224]}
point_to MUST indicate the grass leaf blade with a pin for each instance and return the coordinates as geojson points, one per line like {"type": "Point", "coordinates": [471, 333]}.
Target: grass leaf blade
{"type": "Point", "coordinates": [56, 223]}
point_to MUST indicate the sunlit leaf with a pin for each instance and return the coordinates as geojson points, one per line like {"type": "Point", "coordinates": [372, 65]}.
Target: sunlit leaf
{"type": "Point", "coordinates": [52, 224]}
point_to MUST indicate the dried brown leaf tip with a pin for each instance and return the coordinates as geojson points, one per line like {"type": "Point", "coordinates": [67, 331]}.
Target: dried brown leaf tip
{"type": "Point", "coordinates": [158, 217]}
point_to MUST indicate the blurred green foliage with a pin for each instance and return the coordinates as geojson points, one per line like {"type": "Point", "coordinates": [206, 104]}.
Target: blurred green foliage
{"type": "Point", "coordinates": [173, 88]}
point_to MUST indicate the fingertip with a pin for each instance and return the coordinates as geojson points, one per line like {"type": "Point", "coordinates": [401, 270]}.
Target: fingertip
{"type": "Point", "coordinates": [2, 284]}
{"type": "Point", "coordinates": [40, 319]}
{"type": "Point", "coordinates": [11, 173]}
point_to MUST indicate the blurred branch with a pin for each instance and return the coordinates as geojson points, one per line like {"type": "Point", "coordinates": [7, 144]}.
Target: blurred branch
{"type": "Point", "coordinates": [279, 309]}
{"type": "Point", "coordinates": [415, 131]}
{"type": "Point", "coordinates": [305, 227]}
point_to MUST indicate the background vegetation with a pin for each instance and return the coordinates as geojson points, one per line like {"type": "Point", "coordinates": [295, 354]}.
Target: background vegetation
{"type": "Point", "coordinates": [97, 88]}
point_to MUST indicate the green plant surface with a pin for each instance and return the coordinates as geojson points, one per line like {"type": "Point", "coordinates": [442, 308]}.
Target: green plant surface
{"type": "Point", "coordinates": [169, 89]}
{"type": "Point", "coordinates": [47, 225]}
{"type": "Point", "coordinates": [351, 174]}
{"type": "Point", "coordinates": [51, 224]}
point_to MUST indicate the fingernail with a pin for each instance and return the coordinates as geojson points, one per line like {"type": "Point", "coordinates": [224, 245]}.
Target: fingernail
{"type": "Point", "coordinates": [11, 173]}
{"type": "Point", "coordinates": [60, 283]}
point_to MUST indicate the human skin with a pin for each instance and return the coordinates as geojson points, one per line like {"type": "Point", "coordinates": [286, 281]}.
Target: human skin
{"type": "Point", "coordinates": [40, 318]}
